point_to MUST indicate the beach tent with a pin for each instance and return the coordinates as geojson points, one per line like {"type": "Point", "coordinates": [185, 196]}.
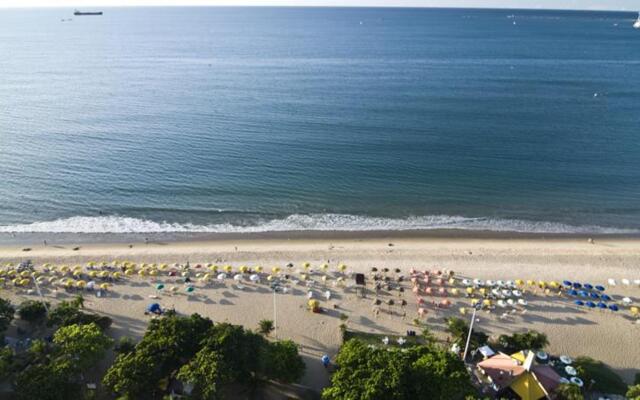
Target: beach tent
{"type": "Point", "coordinates": [154, 308]}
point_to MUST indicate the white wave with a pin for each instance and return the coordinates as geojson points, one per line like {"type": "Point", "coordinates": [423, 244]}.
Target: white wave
{"type": "Point", "coordinates": [299, 222]}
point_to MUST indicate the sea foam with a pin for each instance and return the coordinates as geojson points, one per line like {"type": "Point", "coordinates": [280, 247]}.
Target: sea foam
{"type": "Point", "coordinates": [310, 222]}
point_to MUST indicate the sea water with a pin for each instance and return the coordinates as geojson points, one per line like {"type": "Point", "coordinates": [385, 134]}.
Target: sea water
{"type": "Point", "coordinates": [273, 119]}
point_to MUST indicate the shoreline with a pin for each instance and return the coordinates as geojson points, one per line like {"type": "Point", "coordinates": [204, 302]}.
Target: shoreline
{"type": "Point", "coordinates": [34, 239]}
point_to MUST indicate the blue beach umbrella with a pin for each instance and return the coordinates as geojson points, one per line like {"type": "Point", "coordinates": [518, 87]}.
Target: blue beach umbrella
{"type": "Point", "coordinates": [613, 307]}
{"type": "Point", "coordinates": [594, 295]}
{"type": "Point", "coordinates": [600, 288]}
{"type": "Point", "coordinates": [591, 304]}
{"type": "Point", "coordinates": [588, 286]}
{"type": "Point", "coordinates": [573, 292]}
{"type": "Point", "coordinates": [582, 293]}
{"type": "Point", "coordinates": [577, 285]}
{"type": "Point", "coordinates": [578, 303]}
{"type": "Point", "coordinates": [567, 283]}
{"type": "Point", "coordinates": [605, 297]}
{"type": "Point", "coordinates": [602, 305]}
{"type": "Point", "coordinates": [153, 307]}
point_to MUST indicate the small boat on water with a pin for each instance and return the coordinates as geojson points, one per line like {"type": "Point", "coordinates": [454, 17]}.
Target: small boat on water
{"type": "Point", "coordinates": [76, 12]}
{"type": "Point", "coordinates": [637, 23]}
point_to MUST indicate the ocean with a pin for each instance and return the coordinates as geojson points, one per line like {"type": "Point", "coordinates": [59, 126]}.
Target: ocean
{"type": "Point", "coordinates": [222, 119]}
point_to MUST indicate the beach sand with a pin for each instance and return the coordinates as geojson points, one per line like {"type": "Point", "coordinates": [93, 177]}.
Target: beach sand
{"type": "Point", "coordinates": [609, 337]}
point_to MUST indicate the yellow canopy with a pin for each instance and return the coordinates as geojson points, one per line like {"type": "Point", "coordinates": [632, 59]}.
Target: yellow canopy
{"type": "Point", "coordinates": [527, 387]}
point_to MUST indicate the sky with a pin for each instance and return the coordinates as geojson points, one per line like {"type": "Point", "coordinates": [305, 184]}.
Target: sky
{"type": "Point", "coordinates": [629, 5]}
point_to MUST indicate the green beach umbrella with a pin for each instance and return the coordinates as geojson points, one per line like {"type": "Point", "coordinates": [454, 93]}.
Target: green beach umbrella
{"type": "Point", "coordinates": [159, 286]}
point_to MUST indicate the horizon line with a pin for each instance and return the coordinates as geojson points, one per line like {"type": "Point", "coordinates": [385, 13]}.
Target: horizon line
{"type": "Point", "coordinates": [6, 7]}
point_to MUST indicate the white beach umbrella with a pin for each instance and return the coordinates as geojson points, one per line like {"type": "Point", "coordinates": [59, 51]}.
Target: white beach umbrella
{"type": "Point", "coordinates": [237, 277]}
{"type": "Point", "coordinates": [517, 293]}
{"type": "Point", "coordinates": [490, 283]}
{"type": "Point", "coordinates": [627, 301]}
{"type": "Point", "coordinates": [511, 302]}
{"type": "Point", "coordinates": [222, 276]}
{"type": "Point", "coordinates": [522, 302]}
{"type": "Point", "coordinates": [636, 281]}
{"type": "Point", "coordinates": [478, 282]}
{"type": "Point", "coordinates": [91, 284]}
{"type": "Point", "coordinates": [626, 282]}
{"type": "Point", "coordinates": [466, 282]}
{"type": "Point", "coordinates": [506, 292]}
{"type": "Point", "coordinates": [502, 304]}
{"type": "Point", "coordinates": [611, 282]}
{"type": "Point", "coordinates": [254, 278]}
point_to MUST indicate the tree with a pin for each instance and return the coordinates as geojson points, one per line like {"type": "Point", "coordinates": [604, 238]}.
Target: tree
{"type": "Point", "coordinates": [419, 372]}
{"type": "Point", "coordinates": [33, 311]}
{"type": "Point", "coordinates": [531, 340]}
{"type": "Point", "coordinates": [282, 362]}
{"type": "Point", "coordinates": [68, 313]}
{"type": "Point", "coordinates": [125, 345]}
{"type": "Point", "coordinates": [568, 391]}
{"type": "Point", "coordinates": [167, 344]}
{"type": "Point", "coordinates": [265, 326]}
{"type": "Point", "coordinates": [6, 316]}
{"type": "Point", "coordinates": [605, 380]}
{"type": "Point", "coordinates": [633, 393]}
{"type": "Point", "coordinates": [6, 362]}
{"type": "Point", "coordinates": [84, 344]}
{"type": "Point", "coordinates": [43, 381]}
{"type": "Point", "coordinates": [204, 373]}
{"type": "Point", "coordinates": [459, 329]}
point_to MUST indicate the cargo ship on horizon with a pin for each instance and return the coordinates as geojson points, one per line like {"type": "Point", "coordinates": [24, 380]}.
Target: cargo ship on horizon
{"type": "Point", "coordinates": [76, 12]}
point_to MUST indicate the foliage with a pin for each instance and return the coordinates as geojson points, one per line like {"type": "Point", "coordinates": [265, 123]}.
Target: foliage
{"type": "Point", "coordinates": [205, 355]}
{"type": "Point", "coordinates": [43, 381]}
{"type": "Point", "coordinates": [428, 336]}
{"type": "Point", "coordinates": [633, 393]}
{"type": "Point", "coordinates": [167, 343]}
{"type": "Point", "coordinates": [530, 340]}
{"type": "Point", "coordinates": [84, 344]}
{"type": "Point", "coordinates": [606, 381]}
{"type": "Point", "coordinates": [6, 316]}
{"type": "Point", "coordinates": [265, 326]}
{"type": "Point", "coordinates": [68, 313]}
{"type": "Point", "coordinates": [204, 370]}
{"type": "Point", "coordinates": [419, 372]}
{"type": "Point", "coordinates": [636, 379]}
{"type": "Point", "coordinates": [568, 391]}
{"type": "Point", "coordinates": [125, 345]}
{"type": "Point", "coordinates": [6, 362]}
{"type": "Point", "coordinates": [282, 362]}
{"type": "Point", "coordinates": [32, 311]}
{"type": "Point", "coordinates": [459, 329]}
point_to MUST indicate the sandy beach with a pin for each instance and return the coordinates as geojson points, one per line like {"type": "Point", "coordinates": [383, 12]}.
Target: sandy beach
{"type": "Point", "coordinates": [610, 337]}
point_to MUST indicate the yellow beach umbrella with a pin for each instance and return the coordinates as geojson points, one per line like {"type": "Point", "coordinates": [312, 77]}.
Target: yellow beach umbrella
{"type": "Point", "coordinates": [162, 267]}
{"type": "Point", "coordinates": [2, 281]}
{"type": "Point", "coordinates": [531, 283]}
{"type": "Point", "coordinates": [474, 302]}
{"type": "Point", "coordinates": [81, 284]}
{"type": "Point", "coordinates": [313, 304]}
{"type": "Point", "coordinates": [454, 291]}
{"type": "Point", "coordinates": [52, 279]}
{"type": "Point", "coordinates": [275, 270]}
{"type": "Point", "coordinates": [213, 268]}
{"type": "Point", "coordinates": [270, 277]}
{"type": "Point", "coordinates": [3, 272]}
{"type": "Point", "coordinates": [635, 311]}
{"type": "Point", "coordinates": [104, 286]}
{"type": "Point", "coordinates": [483, 291]}
{"type": "Point", "coordinates": [116, 275]}
{"type": "Point", "coordinates": [469, 290]}
{"type": "Point", "coordinates": [325, 267]}
{"type": "Point", "coordinates": [259, 269]}
{"type": "Point", "coordinates": [153, 272]}
{"type": "Point", "coordinates": [542, 284]}
{"type": "Point", "coordinates": [306, 265]}
{"type": "Point", "coordinates": [142, 272]}
{"type": "Point", "coordinates": [24, 274]}
{"type": "Point", "coordinates": [129, 272]}
{"type": "Point", "coordinates": [243, 269]}
{"type": "Point", "coordinates": [24, 281]}
{"type": "Point", "coordinates": [452, 281]}
{"type": "Point", "coordinates": [463, 311]}
{"type": "Point", "coordinates": [342, 267]}
{"type": "Point", "coordinates": [519, 282]}
{"type": "Point", "coordinates": [554, 284]}
{"type": "Point", "coordinates": [77, 273]}
{"type": "Point", "coordinates": [486, 303]}
{"type": "Point", "coordinates": [303, 277]}
{"type": "Point", "coordinates": [228, 268]}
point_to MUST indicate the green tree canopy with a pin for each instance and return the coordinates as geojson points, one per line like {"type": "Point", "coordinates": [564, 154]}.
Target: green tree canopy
{"type": "Point", "coordinates": [531, 340]}
{"type": "Point", "coordinates": [7, 312]}
{"type": "Point", "coordinates": [420, 372]}
{"type": "Point", "coordinates": [282, 362]}
{"type": "Point", "coordinates": [605, 379]}
{"type": "Point", "coordinates": [32, 311]}
{"type": "Point", "coordinates": [459, 329]}
{"type": "Point", "coordinates": [84, 344]}
{"type": "Point", "coordinates": [633, 393]}
{"type": "Point", "coordinates": [568, 391]}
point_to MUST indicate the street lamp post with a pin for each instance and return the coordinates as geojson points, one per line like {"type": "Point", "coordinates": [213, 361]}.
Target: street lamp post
{"type": "Point", "coordinates": [275, 287]}
{"type": "Point", "coordinates": [466, 346]}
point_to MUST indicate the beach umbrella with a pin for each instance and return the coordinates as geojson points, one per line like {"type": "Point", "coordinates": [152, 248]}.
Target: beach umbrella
{"type": "Point", "coordinates": [142, 272]}
{"type": "Point", "coordinates": [566, 360]}
{"type": "Point", "coordinates": [342, 267]}
{"type": "Point", "coordinates": [478, 282]}
{"type": "Point", "coordinates": [324, 267]}
{"type": "Point", "coordinates": [190, 289]}
{"type": "Point", "coordinates": [445, 303]}
{"type": "Point", "coordinates": [579, 303]}
{"type": "Point", "coordinates": [91, 285]}
{"type": "Point", "coordinates": [255, 278]}
{"type": "Point", "coordinates": [237, 277]}
{"type": "Point", "coordinates": [490, 283]}
{"type": "Point", "coordinates": [634, 311]}
{"type": "Point", "coordinates": [613, 307]}
{"type": "Point", "coordinates": [474, 302]}
{"type": "Point", "coordinates": [129, 272]}
{"type": "Point", "coordinates": [454, 291]}
{"type": "Point", "coordinates": [104, 286]}
{"type": "Point", "coordinates": [511, 302]}
{"type": "Point", "coordinates": [588, 286]}
{"type": "Point", "coordinates": [275, 270]}
{"type": "Point", "coordinates": [116, 275]}
{"type": "Point", "coordinates": [582, 293]}
{"type": "Point", "coordinates": [213, 268]}
{"type": "Point", "coordinates": [415, 289]}
{"type": "Point", "coordinates": [243, 269]}
{"type": "Point", "coordinates": [517, 293]}
{"type": "Point", "coordinates": [577, 285]}
{"type": "Point", "coordinates": [626, 282]}
{"type": "Point", "coordinates": [611, 282]}
{"type": "Point", "coordinates": [605, 297]}
{"type": "Point", "coordinates": [531, 282]}
{"type": "Point", "coordinates": [227, 268]}
{"type": "Point", "coordinates": [159, 286]}
{"type": "Point", "coordinates": [602, 305]}
{"type": "Point", "coordinates": [600, 288]}
{"type": "Point", "coordinates": [590, 304]}
{"type": "Point", "coordinates": [522, 302]}
{"type": "Point", "coordinates": [222, 276]}
{"type": "Point", "coordinates": [24, 282]}
{"type": "Point", "coordinates": [428, 290]}
{"type": "Point", "coordinates": [486, 303]}
{"type": "Point", "coordinates": [258, 269]}
{"type": "Point", "coordinates": [570, 370]}
{"type": "Point", "coordinates": [501, 303]}
{"type": "Point", "coordinates": [576, 381]}
{"type": "Point", "coordinates": [306, 265]}
{"type": "Point", "coordinates": [81, 284]}
{"type": "Point", "coordinates": [422, 311]}
{"type": "Point", "coordinates": [466, 282]}
{"type": "Point", "coordinates": [554, 284]}
{"type": "Point", "coordinates": [626, 301]}
{"type": "Point", "coordinates": [154, 308]}
{"type": "Point", "coordinates": [442, 291]}
{"type": "Point", "coordinates": [469, 290]}
{"type": "Point", "coordinates": [594, 295]}
{"type": "Point", "coordinates": [313, 305]}
{"type": "Point", "coordinates": [519, 282]}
